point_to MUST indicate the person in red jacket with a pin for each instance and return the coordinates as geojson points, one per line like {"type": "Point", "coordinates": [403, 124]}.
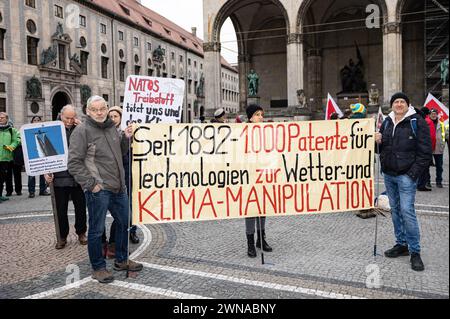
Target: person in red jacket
{"type": "Point", "coordinates": [424, 182]}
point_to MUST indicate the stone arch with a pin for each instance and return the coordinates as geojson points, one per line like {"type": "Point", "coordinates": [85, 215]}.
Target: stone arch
{"type": "Point", "coordinates": [230, 6]}
{"type": "Point", "coordinates": [59, 98]}
{"type": "Point", "coordinates": [306, 4]}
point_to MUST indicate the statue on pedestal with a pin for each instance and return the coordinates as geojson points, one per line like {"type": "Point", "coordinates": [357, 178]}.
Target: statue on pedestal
{"type": "Point", "coordinates": [253, 83]}
{"type": "Point", "coordinates": [374, 95]}
{"type": "Point", "coordinates": [352, 76]}
{"type": "Point", "coordinates": [444, 71]}
{"type": "Point", "coordinates": [301, 99]}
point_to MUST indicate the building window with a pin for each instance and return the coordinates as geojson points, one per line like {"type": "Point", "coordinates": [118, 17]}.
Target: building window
{"type": "Point", "coordinates": [120, 35]}
{"type": "Point", "coordinates": [137, 70]}
{"type": "Point", "coordinates": [201, 66]}
{"type": "Point", "coordinates": [32, 47]}
{"type": "Point", "coordinates": [30, 3]}
{"type": "Point", "coordinates": [172, 54]}
{"type": "Point", "coordinates": [136, 42]}
{"type": "Point", "coordinates": [106, 97]}
{"type": "Point", "coordinates": [62, 56]}
{"type": "Point", "coordinates": [2, 105]}
{"type": "Point", "coordinates": [103, 28]}
{"type": "Point", "coordinates": [195, 64]}
{"type": "Point", "coordinates": [121, 54]}
{"type": "Point", "coordinates": [181, 59]}
{"type": "Point", "coordinates": [103, 48]}
{"type": "Point", "coordinates": [2, 44]}
{"type": "Point", "coordinates": [122, 71]}
{"type": "Point", "coordinates": [2, 87]}
{"type": "Point", "coordinates": [84, 62]}
{"type": "Point", "coordinates": [104, 67]}
{"type": "Point", "coordinates": [59, 12]}
{"type": "Point", "coordinates": [190, 86]}
{"type": "Point", "coordinates": [189, 61]}
{"type": "Point", "coordinates": [82, 21]}
{"type": "Point", "coordinates": [149, 46]}
{"type": "Point", "coordinates": [149, 72]}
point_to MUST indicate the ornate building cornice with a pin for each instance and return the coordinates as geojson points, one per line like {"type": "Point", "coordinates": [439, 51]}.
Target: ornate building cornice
{"type": "Point", "coordinates": [211, 47]}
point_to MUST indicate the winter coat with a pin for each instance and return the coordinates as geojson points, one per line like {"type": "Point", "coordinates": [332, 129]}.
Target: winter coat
{"type": "Point", "coordinates": [95, 156]}
{"type": "Point", "coordinates": [9, 136]}
{"type": "Point", "coordinates": [64, 179]}
{"type": "Point", "coordinates": [402, 150]}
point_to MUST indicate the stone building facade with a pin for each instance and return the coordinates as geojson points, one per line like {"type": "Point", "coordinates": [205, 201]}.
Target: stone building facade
{"type": "Point", "coordinates": [55, 52]}
{"type": "Point", "coordinates": [304, 45]}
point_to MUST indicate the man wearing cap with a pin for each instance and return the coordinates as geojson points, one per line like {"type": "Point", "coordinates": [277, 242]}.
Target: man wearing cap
{"type": "Point", "coordinates": [219, 116]}
{"type": "Point", "coordinates": [405, 151]}
{"type": "Point", "coordinates": [438, 151]}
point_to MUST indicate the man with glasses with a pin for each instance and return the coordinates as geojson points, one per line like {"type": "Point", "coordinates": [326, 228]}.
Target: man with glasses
{"type": "Point", "coordinates": [95, 161]}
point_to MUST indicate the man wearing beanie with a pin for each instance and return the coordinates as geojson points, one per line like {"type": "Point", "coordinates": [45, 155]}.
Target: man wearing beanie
{"type": "Point", "coordinates": [405, 151]}
{"type": "Point", "coordinates": [255, 114]}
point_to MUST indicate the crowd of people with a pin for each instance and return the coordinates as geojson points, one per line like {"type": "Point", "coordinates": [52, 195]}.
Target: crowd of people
{"type": "Point", "coordinates": [98, 177]}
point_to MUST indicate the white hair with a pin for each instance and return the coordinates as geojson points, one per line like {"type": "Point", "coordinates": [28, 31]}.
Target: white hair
{"type": "Point", "coordinates": [68, 107]}
{"type": "Point", "coordinates": [95, 98]}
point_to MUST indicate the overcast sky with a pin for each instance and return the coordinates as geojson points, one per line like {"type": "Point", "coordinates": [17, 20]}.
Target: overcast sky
{"type": "Point", "coordinates": [189, 13]}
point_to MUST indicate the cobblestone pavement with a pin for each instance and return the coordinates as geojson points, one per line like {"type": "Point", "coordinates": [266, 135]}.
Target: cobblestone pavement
{"type": "Point", "coordinates": [322, 256]}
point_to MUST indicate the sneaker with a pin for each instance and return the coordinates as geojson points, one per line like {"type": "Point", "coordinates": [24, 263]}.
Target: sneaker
{"type": "Point", "coordinates": [31, 195]}
{"type": "Point", "coordinates": [131, 266]}
{"type": "Point", "coordinates": [3, 198]}
{"type": "Point", "coordinates": [397, 251]}
{"type": "Point", "coordinates": [416, 262]}
{"type": "Point", "coordinates": [424, 189]}
{"type": "Point", "coordinates": [19, 193]}
{"type": "Point", "coordinates": [44, 193]}
{"type": "Point", "coordinates": [103, 276]}
{"type": "Point", "coordinates": [134, 238]}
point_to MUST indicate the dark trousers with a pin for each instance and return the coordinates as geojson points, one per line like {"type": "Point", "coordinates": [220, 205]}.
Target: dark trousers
{"type": "Point", "coordinates": [6, 177]}
{"type": "Point", "coordinates": [62, 202]}
{"type": "Point", "coordinates": [17, 174]}
{"type": "Point", "coordinates": [439, 162]}
{"type": "Point", "coordinates": [425, 178]}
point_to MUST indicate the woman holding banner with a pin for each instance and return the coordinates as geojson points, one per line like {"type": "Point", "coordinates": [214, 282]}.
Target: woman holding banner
{"type": "Point", "coordinates": [255, 114]}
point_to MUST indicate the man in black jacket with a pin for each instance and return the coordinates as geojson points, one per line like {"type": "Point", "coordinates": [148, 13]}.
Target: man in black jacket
{"type": "Point", "coordinates": [405, 151]}
{"type": "Point", "coordinates": [65, 186]}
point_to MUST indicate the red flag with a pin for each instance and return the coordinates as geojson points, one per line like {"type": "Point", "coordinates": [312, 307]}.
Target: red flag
{"type": "Point", "coordinates": [332, 107]}
{"type": "Point", "coordinates": [434, 103]}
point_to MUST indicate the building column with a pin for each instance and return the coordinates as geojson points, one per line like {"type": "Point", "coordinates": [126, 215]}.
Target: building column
{"type": "Point", "coordinates": [314, 77]}
{"type": "Point", "coordinates": [213, 81]}
{"type": "Point", "coordinates": [392, 60]}
{"type": "Point", "coordinates": [244, 69]}
{"type": "Point", "coordinates": [294, 52]}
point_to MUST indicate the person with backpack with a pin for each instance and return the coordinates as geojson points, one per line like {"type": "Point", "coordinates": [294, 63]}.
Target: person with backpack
{"type": "Point", "coordinates": [405, 151]}
{"type": "Point", "coordinates": [9, 140]}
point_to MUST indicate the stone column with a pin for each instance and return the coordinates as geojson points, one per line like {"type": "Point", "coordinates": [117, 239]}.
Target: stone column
{"type": "Point", "coordinates": [392, 60]}
{"type": "Point", "coordinates": [244, 68]}
{"type": "Point", "coordinates": [213, 81]}
{"type": "Point", "coordinates": [294, 52]}
{"type": "Point", "coordinates": [314, 77]}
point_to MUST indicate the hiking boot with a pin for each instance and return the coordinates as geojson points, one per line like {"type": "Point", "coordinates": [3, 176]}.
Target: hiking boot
{"type": "Point", "coordinates": [265, 245]}
{"type": "Point", "coordinates": [397, 251]}
{"type": "Point", "coordinates": [61, 244]}
{"type": "Point", "coordinates": [111, 251]}
{"type": "Point", "coordinates": [103, 276]}
{"type": "Point", "coordinates": [130, 265]}
{"type": "Point", "coordinates": [82, 239]}
{"type": "Point", "coordinates": [416, 262]}
{"type": "Point", "coordinates": [251, 250]}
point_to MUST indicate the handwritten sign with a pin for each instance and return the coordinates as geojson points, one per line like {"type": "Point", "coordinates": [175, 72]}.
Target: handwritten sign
{"type": "Point", "coordinates": [152, 100]}
{"type": "Point", "coordinates": [221, 171]}
{"type": "Point", "coordinates": [44, 148]}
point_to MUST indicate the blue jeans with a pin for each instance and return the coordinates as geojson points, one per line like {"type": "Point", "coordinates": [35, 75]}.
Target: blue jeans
{"type": "Point", "coordinates": [439, 162]}
{"type": "Point", "coordinates": [32, 184]}
{"type": "Point", "coordinates": [401, 191]}
{"type": "Point", "coordinates": [98, 204]}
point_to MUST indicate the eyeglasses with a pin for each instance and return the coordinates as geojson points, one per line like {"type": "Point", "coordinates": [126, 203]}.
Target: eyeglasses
{"type": "Point", "coordinates": [103, 109]}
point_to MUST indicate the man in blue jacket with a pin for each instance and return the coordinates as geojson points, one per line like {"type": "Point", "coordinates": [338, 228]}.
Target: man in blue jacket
{"type": "Point", "coordinates": [405, 151]}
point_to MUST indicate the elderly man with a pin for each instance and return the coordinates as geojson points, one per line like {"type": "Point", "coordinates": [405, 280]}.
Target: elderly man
{"type": "Point", "coordinates": [95, 161]}
{"type": "Point", "coordinates": [405, 151]}
{"type": "Point", "coordinates": [65, 187]}
{"type": "Point", "coordinates": [9, 140]}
